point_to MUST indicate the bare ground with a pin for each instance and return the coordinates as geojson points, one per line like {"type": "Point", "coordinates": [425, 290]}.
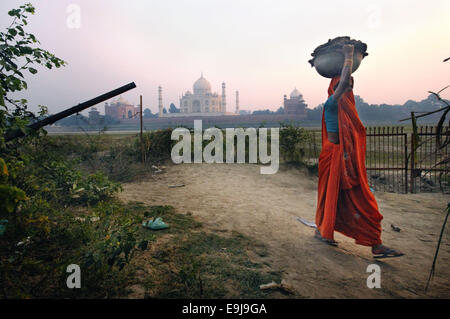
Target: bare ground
{"type": "Point", "coordinates": [226, 197]}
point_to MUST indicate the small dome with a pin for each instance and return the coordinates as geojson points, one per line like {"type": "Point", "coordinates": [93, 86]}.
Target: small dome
{"type": "Point", "coordinates": [295, 94]}
{"type": "Point", "coordinates": [121, 100]}
{"type": "Point", "coordinates": [202, 86]}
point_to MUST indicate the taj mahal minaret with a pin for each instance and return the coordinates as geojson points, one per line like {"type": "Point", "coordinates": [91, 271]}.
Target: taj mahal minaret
{"type": "Point", "coordinates": [160, 105]}
{"type": "Point", "coordinates": [224, 99]}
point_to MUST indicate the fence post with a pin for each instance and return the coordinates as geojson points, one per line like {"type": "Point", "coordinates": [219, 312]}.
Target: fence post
{"type": "Point", "coordinates": [405, 137]}
{"type": "Point", "coordinates": [314, 144]}
{"type": "Point", "coordinates": [412, 163]}
{"type": "Point", "coordinates": [141, 135]}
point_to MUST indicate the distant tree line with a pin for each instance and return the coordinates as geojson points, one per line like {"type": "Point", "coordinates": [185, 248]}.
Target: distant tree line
{"type": "Point", "coordinates": [369, 113]}
{"type": "Point", "coordinates": [148, 114]}
{"type": "Point", "coordinates": [387, 113]}
{"type": "Point", "coordinates": [81, 120]}
{"type": "Point", "coordinates": [377, 113]}
{"type": "Point", "coordinates": [269, 112]}
{"type": "Point", "coordinates": [172, 109]}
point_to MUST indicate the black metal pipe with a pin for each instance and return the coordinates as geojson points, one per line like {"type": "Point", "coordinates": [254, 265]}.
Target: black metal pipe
{"type": "Point", "coordinates": [75, 109]}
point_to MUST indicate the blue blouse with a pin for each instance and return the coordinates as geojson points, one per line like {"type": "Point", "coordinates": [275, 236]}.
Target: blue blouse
{"type": "Point", "coordinates": [331, 115]}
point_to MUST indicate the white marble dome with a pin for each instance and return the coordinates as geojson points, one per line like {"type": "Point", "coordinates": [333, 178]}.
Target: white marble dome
{"type": "Point", "coordinates": [295, 93]}
{"type": "Point", "coordinates": [202, 101]}
{"type": "Point", "coordinates": [202, 86]}
{"type": "Point", "coordinates": [121, 100]}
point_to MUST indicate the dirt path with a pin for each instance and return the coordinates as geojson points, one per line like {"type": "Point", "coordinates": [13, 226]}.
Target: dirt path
{"type": "Point", "coordinates": [265, 207]}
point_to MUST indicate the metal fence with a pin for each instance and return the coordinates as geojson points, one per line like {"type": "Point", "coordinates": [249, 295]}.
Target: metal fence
{"type": "Point", "coordinates": [428, 167]}
{"type": "Point", "coordinates": [387, 158]}
{"type": "Point", "coordinates": [391, 164]}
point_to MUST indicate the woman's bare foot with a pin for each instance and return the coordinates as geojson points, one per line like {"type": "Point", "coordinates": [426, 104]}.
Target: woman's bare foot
{"type": "Point", "coordinates": [381, 251]}
{"type": "Point", "coordinates": [327, 241]}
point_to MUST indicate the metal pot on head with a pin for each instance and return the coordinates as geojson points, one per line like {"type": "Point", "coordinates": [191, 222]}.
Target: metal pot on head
{"type": "Point", "coordinates": [329, 60]}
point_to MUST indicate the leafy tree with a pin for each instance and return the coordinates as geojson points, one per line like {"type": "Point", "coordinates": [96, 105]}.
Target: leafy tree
{"type": "Point", "coordinates": [110, 120]}
{"type": "Point", "coordinates": [280, 110]}
{"type": "Point", "coordinates": [315, 114]}
{"type": "Point", "coordinates": [173, 108]}
{"type": "Point", "coordinates": [148, 113]}
{"type": "Point", "coordinates": [73, 120]}
{"type": "Point", "coordinates": [263, 112]}
{"type": "Point", "coordinates": [164, 110]}
{"type": "Point", "coordinates": [19, 54]}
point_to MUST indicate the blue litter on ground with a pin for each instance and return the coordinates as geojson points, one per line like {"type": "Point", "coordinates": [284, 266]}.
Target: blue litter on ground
{"type": "Point", "coordinates": [155, 224]}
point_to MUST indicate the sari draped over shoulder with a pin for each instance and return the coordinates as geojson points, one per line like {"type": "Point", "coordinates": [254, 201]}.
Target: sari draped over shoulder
{"type": "Point", "coordinates": [345, 202]}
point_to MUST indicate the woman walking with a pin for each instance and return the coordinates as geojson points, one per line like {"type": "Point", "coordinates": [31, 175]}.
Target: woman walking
{"type": "Point", "coordinates": [345, 202]}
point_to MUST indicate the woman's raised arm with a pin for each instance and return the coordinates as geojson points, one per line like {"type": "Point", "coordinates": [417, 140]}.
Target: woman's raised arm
{"type": "Point", "coordinates": [344, 82]}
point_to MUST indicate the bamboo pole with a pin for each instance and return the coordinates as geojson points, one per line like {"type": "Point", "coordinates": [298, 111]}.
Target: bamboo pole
{"type": "Point", "coordinates": [142, 135]}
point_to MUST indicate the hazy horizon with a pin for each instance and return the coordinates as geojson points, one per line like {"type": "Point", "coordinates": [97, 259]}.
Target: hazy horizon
{"type": "Point", "coordinates": [260, 48]}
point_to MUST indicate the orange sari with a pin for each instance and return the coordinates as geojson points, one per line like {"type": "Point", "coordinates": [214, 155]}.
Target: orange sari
{"type": "Point", "coordinates": [345, 202]}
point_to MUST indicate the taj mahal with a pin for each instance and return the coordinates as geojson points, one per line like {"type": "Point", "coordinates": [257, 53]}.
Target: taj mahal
{"type": "Point", "coordinates": [201, 102]}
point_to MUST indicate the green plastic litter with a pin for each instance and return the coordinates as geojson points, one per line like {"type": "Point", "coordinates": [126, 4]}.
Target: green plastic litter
{"type": "Point", "coordinates": [155, 224]}
{"type": "Point", "coordinates": [3, 223]}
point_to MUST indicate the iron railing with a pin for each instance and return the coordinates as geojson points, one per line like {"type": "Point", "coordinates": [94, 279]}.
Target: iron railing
{"type": "Point", "coordinates": [393, 166]}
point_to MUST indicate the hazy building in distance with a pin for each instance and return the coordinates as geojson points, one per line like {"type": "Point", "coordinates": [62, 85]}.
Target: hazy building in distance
{"type": "Point", "coordinates": [94, 113]}
{"type": "Point", "coordinates": [201, 102]}
{"type": "Point", "coordinates": [94, 116]}
{"type": "Point", "coordinates": [295, 105]}
{"type": "Point", "coordinates": [121, 109]}
{"type": "Point", "coordinates": [160, 103]}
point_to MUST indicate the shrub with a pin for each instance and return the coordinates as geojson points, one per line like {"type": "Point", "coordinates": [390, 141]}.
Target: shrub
{"type": "Point", "coordinates": [294, 141]}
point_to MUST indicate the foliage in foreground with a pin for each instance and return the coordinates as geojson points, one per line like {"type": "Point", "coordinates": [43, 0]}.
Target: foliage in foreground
{"type": "Point", "coordinates": [102, 241]}
{"type": "Point", "coordinates": [41, 190]}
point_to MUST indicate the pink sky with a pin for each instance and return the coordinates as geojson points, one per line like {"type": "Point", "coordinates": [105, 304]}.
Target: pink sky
{"type": "Point", "coordinates": [260, 48]}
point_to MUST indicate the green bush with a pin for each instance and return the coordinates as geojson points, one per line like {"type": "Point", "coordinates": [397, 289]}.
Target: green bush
{"type": "Point", "coordinates": [294, 142]}
{"type": "Point", "coordinates": [102, 241]}
{"type": "Point", "coordinates": [157, 145]}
